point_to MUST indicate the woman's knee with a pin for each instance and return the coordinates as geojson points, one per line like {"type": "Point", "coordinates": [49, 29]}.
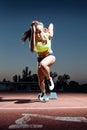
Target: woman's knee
{"type": "Point", "coordinates": [42, 64]}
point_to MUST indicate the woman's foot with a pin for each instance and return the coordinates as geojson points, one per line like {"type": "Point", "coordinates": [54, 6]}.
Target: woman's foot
{"type": "Point", "coordinates": [43, 97]}
{"type": "Point", "coordinates": [50, 83]}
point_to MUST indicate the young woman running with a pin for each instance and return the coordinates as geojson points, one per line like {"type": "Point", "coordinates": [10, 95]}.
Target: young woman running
{"type": "Point", "coordinates": [40, 42]}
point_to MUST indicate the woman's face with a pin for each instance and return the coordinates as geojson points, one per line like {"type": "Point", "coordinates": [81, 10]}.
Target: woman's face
{"type": "Point", "coordinates": [39, 31]}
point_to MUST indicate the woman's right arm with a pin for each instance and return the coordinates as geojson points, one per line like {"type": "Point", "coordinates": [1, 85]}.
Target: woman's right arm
{"type": "Point", "coordinates": [32, 40]}
{"type": "Point", "coordinates": [50, 28]}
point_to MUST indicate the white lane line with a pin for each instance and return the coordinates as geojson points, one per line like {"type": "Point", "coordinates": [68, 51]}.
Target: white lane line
{"type": "Point", "coordinates": [41, 108]}
{"type": "Point", "coordinates": [24, 122]}
{"type": "Point", "coordinates": [75, 119]}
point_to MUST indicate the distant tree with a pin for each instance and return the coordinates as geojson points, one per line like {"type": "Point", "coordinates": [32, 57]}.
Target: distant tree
{"type": "Point", "coordinates": [53, 74]}
{"type": "Point", "coordinates": [4, 80]}
{"type": "Point", "coordinates": [63, 78]}
{"type": "Point", "coordinates": [62, 82]}
{"type": "Point", "coordinates": [73, 83]}
{"type": "Point", "coordinates": [19, 78]}
{"type": "Point", "coordinates": [24, 75]}
{"type": "Point", "coordinates": [74, 86]}
{"type": "Point", "coordinates": [35, 77]}
{"type": "Point", "coordinates": [30, 73]}
{"type": "Point", "coordinates": [26, 71]}
{"type": "Point", "coordinates": [15, 78]}
{"type": "Point", "coordinates": [66, 78]}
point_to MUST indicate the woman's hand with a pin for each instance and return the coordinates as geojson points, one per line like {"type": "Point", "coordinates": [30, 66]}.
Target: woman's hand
{"type": "Point", "coordinates": [50, 28]}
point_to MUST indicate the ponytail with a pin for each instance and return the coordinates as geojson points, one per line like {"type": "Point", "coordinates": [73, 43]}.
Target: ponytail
{"type": "Point", "coordinates": [26, 35]}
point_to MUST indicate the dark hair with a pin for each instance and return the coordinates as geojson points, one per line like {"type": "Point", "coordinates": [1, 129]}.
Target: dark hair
{"type": "Point", "coordinates": [26, 35]}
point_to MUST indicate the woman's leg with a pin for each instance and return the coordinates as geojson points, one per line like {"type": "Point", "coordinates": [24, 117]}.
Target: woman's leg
{"type": "Point", "coordinates": [45, 68]}
{"type": "Point", "coordinates": [45, 65]}
{"type": "Point", "coordinates": [41, 79]}
{"type": "Point", "coordinates": [42, 96]}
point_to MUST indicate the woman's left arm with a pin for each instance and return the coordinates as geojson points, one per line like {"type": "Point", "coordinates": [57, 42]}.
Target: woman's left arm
{"type": "Point", "coordinates": [32, 40]}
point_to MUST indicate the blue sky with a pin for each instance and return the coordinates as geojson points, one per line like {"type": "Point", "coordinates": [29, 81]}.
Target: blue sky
{"type": "Point", "coordinates": [69, 42]}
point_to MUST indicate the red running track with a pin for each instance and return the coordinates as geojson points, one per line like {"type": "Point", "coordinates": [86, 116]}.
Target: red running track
{"type": "Point", "coordinates": [22, 111]}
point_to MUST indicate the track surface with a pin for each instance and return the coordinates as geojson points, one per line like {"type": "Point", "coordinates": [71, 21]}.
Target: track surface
{"type": "Point", "coordinates": [22, 111]}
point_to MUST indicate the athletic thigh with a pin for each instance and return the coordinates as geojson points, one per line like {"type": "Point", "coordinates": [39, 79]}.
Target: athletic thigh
{"type": "Point", "coordinates": [49, 60]}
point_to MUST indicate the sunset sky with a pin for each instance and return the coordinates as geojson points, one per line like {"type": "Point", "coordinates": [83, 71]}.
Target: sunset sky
{"type": "Point", "coordinates": [69, 42]}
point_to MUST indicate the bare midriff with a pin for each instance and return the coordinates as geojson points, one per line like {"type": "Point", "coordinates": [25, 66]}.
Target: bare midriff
{"type": "Point", "coordinates": [44, 54]}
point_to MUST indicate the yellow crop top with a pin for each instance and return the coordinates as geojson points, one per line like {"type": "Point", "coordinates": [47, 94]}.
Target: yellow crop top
{"type": "Point", "coordinates": [40, 47]}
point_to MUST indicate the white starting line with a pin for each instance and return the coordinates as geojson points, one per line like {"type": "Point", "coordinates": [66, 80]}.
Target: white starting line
{"type": "Point", "coordinates": [41, 108]}
{"type": "Point", "coordinates": [23, 122]}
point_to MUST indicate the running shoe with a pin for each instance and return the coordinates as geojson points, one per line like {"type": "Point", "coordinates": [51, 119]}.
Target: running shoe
{"type": "Point", "coordinates": [43, 97]}
{"type": "Point", "coordinates": [50, 84]}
